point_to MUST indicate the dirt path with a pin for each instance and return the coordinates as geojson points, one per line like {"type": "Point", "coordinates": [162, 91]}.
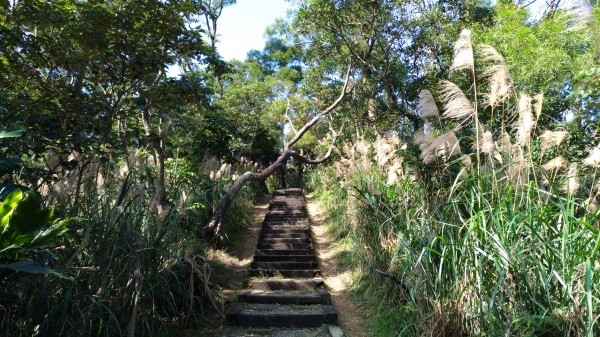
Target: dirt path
{"type": "Point", "coordinates": [351, 317]}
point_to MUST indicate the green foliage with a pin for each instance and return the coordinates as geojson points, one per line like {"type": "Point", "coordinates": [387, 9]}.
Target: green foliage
{"type": "Point", "coordinates": [26, 228]}
{"type": "Point", "coordinates": [544, 56]}
{"type": "Point", "coordinates": [474, 264]}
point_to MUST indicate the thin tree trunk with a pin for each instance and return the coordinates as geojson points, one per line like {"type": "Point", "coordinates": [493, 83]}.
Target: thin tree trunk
{"type": "Point", "coordinates": [282, 173]}
{"type": "Point", "coordinates": [159, 184]}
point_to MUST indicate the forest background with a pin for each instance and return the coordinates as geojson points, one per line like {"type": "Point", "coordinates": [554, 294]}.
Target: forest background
{"type": "Point", "coordinates": [457, 140]}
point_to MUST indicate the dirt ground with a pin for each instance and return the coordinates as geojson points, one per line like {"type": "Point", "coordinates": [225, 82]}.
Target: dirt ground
{"type": "Point", "coordinates": [351, 317]}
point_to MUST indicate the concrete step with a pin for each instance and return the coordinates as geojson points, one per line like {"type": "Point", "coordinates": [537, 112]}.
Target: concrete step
{"type": "Point", "coordinates": [309, 252]}
{"type": "Point", "coordinates": [287, 284]}
{"type": "Point", "coordinates": [298, 273]}
{"type": "Point", "coordinates": [271, 240]}
{"type": "Point", "coordinates": [287, 235]}
{"type": "Point", "coordinates": [284, 218]}
{"type": "Point", "coordinates": [286, 297]}
{"type": "Point", "coordinates": [291, 230]}
{"type": "Point", "coordinates": [286, 214]}
{"type": "Point", "coordinates": [283, 265]}
{"type": "Point", "coordinates": [262, 245]}
{"type": "Point", "coordinates": [281, 316]}
{"type": "Point", "coordinates": [285, 258]}
{"type": "Point", "coordinates": [270, 226]}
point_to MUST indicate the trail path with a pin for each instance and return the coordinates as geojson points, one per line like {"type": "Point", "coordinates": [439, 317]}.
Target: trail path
{"type": "Point", "coordinates": [286, 294]}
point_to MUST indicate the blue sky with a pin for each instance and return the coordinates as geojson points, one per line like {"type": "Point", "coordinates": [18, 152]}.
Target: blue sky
{"type": "Point", "coordinates": [241, 27]}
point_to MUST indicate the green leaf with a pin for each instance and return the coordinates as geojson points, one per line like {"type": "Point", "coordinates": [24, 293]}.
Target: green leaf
{"type": "Point", "coordinates": [33, 268]}
{"type": "Point", "coordinates": [11, 134]}
{"type": "Point", "coordinates": [29, 216]}
{"type": "Point", "coordinates": [49, 235]}
{"type": "Point", "coordinates": [9, 204]}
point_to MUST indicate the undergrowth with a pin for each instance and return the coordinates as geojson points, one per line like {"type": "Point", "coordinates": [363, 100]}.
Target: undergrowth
{"type": "Point", "coordinates": [491, 243]}
{"type": "Point", "coordinates": [122, 271]}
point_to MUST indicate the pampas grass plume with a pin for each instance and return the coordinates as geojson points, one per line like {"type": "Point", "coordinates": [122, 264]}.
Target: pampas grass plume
{"type": "Point", "coordinates": [555, 164]}
{"type": "Point", "coordinates": [485, 143]}
{"type": "Point", "coordinates": [539, 102]}
{"type": "Point", "coordinates": [426, 105]}
{"type": "Point", "coordinates": [526, 121]}
{"type": "Point", "coordinates": [552, 138]}
{"type": "Point", "coordinates": [456, 104]}
{"type": "Point", "coordinates": [594, 158]}
{"type": "Point", "coordinates": [571, 184]}
{"type": "Point", "coordinates": [445, 146]}
{"type": "Point", "coordinates": [463, 52]}
{"type": "Point", "coordinates": [497, 76]}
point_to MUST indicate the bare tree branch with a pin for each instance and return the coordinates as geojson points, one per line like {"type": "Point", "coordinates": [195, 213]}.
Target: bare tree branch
{"type": "Point", "coordinates": [303, 159]}
{"type": "Point", "coordinates": [323, 113]}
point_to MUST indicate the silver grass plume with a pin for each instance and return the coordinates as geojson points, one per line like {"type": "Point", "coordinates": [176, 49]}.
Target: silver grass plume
{"type": "Point", "coordinates": [526, 122]}
{"type": "Point", "coordinates": [552, 138]}
{"type": "Point", "coordinates": [504, 144]}
{"type": "Point", "coordinates": [594, 158]}
{"type": "Point", "coordinates": [485, 143]}
{"type": "Point", "coordinates": [555, 164]}
{"type": "Point", "coordinates": [537, 106]}
{"type": "Point", "coordinates": [571, 184]}
{"type": "Point", "coordinates": [426, 106]}
{"type": "Point", "coordinates": [590, 205]}
{"type": "Point", "coordinates": [505, 147]}
{"type": "Point", "coordinates": [456, 104]}
{"type": "Point", "coordinates": [497, 76]}
{"type": "Point", "coordinates": [463, 52]}
{"type": "Point", "coordinates": [581, 15]}
{"type": "Point", "coordinates": [423, 138]}
{"type": "Point", "coordinates": [445, 146]}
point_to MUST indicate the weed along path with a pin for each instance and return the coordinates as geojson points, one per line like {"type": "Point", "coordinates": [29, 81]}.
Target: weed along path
{"type": "Point", "coordinates": [285, 294]}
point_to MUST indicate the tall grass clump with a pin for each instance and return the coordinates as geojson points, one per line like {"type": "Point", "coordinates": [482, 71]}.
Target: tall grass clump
{"type": "Point", "coordinates": [493, 233]}
{"type": "Point", "coordinates": [121, 270]}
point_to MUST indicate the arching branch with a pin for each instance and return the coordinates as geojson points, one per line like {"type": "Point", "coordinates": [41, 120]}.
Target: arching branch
{"type": "Point", "coordinates": [303, 159]}
{"type": "Point", "coordinates": [214, 227]}
{"type": "Point", "coordinates": [323, 113]}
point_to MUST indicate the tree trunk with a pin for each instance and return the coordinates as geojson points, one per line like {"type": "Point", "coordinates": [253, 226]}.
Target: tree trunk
{"type": "Point", "coordinates": [154, 140]}
{"type": "Point", "coordinates": [214, 226]}
{"type": "Point", "coordinates": [282, 175]}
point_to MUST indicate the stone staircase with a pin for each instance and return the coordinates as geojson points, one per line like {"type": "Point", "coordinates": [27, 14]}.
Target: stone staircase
{"type": "Point", "coordinates": [284, 290]}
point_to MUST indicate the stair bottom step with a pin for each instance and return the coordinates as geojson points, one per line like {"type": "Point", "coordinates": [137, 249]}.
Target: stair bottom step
{"type": "Point", "coordinates": [281, 316]}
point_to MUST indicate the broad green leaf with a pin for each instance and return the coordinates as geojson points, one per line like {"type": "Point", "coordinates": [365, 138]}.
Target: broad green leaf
{"type": "Point", "coordinates": [47, 236]}
{"type": "Point", "coordinates": [33, 268]}
{"type": "Point", "coordinates": [9, 204]}
{"type": "Point", "coordinates": [29, 216]}
{"type": "Point", "coordinates": [11, 134]}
